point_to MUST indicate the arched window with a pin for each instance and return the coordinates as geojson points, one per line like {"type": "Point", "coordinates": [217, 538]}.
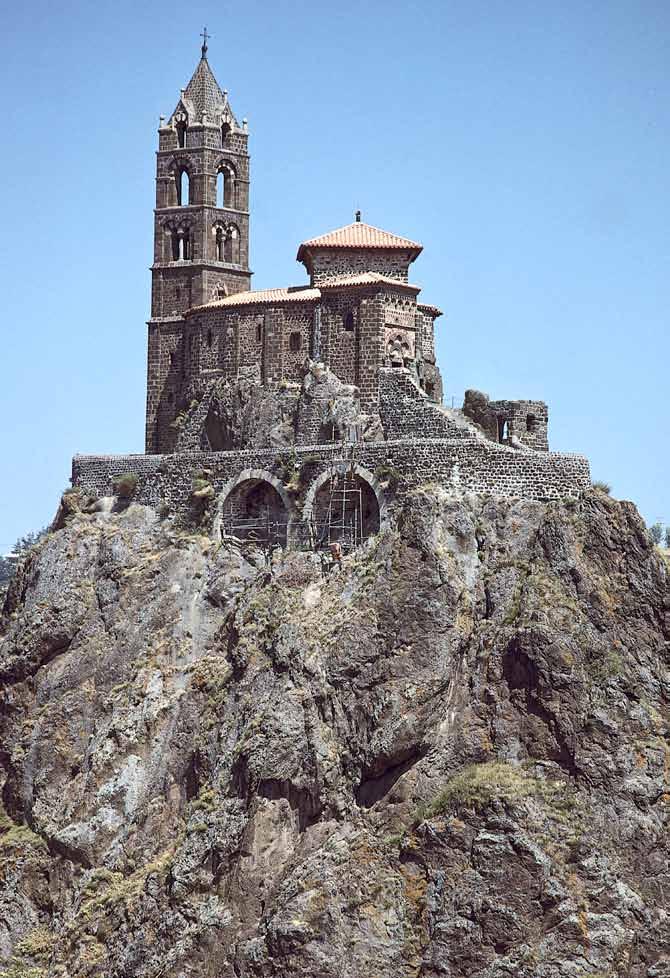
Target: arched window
{"type": "Point", "coordinates": [183, 187]}
{"type": "Point", "coordinates": [181, 245]}
{"type": "Point", "coordinates": [231, 247]}
{"type": "Point", "coordinates": [349, 322]}
{"type": "Point", "coordinates": [225, 186]}
{"type": "Point", "coordinates": [294, 342]}
{"type": "Point", "coordinates": [225, 129]}
{"type": "Point", "coordinates": [181, 132]}
{"type": "Point", "coordinates": [219, 243]}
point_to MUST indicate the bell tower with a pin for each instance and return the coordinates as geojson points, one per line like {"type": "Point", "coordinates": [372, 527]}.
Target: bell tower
{"type": "Point", "coordinates": [201, 229]}
{"type": "Point", "coordinates": [201, 234]}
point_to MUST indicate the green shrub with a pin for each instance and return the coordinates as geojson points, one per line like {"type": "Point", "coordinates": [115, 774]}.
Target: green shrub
{"type": "Point", "coordinates": [125, 485]}
{"type": "Point", "coordinates": [602, 486]}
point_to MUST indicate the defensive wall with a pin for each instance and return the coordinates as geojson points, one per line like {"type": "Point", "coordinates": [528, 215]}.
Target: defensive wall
{"type": "Point", "coordinates": [462, 465]}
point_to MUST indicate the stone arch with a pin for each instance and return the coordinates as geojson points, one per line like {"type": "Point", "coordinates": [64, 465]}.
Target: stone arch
{"type": "Point", "coordinates": [257, 476]}
{"type": "Point", "coordinates": [344, 469]}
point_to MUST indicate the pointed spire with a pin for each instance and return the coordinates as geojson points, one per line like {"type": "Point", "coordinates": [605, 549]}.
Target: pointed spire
{"type": "Point", "coordinates": [203, 93]}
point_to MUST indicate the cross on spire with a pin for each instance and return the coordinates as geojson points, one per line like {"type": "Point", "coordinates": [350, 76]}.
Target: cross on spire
{"type": "Point", "coordinates": [205, 37]}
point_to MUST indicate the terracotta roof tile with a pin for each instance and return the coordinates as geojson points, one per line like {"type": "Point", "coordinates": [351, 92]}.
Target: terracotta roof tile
{"type": "Point", "coordinates": [366, 278]}
{"type": "Point", "coordinates": [360, 235]}
{"type": "Point", "coordinates": [261, 297]}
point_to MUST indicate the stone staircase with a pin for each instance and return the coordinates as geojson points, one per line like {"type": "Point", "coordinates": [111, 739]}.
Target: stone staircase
{"type": "Point", "coordinates": [407, 412]}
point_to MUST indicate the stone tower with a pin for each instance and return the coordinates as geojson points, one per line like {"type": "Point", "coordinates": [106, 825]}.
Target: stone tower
{"type": "Point", "coordinates": [201, 230]}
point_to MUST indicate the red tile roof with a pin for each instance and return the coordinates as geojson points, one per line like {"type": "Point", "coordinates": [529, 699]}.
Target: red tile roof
{"type": "Point", "coordinates": [261, 297]}
{"type": "Point", "coordinates": [366, 278]}
{"type": "Point", "coordinates": [360, 235]}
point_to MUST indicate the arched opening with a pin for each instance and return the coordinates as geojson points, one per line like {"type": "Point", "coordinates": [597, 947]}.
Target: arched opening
{"type": "Point", "coordinates": [231, 246]}
{"type": "Point", "coordinates": [183, 187]}
{"type": "Point", "coordinates": [344, 511]}
{"type": "Point", "coordinates": [181, 133]}
{"type": "Point", "coordinates": [219, 240]}
{"type": "Point", "coordinates": [181, 244]}
{"type": "Point", "coordinates": [254, 511]}
{"type": "Point", "coordinates": [225, 187]}
{"type": "Point", "coordinates": [349, 322]}
{"type": "Point", "coordinates": [225, 129]}
{"type": "Point", "coordinates": [503, 430]}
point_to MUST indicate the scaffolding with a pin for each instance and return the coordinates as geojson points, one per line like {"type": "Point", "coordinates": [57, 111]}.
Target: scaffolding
{"type": "Point", "coordinates": [340, 516]}
{"type": "Point", "coordinates": [343, 521]}
{"type": "Point", "coordinates": [262, 528]}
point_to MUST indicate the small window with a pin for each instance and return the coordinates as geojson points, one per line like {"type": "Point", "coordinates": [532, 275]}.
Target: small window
{"type": "Point", "coordinates": [177, 293]}
{"type": "Point", "coordinates": [531, 424]}
{"type": "Point", "coordinates": [349, 322]}
{"type": "Point", "coordinates": [183, 188]}
{"type": "Point", "coordinates": [259, 332]}
{"type": "Point", "coordinates": [295, 342]}
{"type": "Point", "coordinates": [181, 133]}
{"type": "Point", "coordinates": [209, 338]}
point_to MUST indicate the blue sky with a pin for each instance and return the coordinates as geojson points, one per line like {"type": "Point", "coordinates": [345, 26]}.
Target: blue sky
{"type": "Point", "coordinates": [525, 144]}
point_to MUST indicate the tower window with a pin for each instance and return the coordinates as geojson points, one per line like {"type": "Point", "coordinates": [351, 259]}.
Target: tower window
{"type": "Point", "coordinates": [294, 342]}
{"type": "Point", "coordinates": [225, 129]}
{"type": "Point", "coordinates": [349, 322]}
{"type": "Point", "coordinates": [219, 243]}
{"type": "Point", "coordinates": [183, 188]}
{"type": "Point", "coordinates": [181, 133]}
{"type": "Point", "coordinates": [231, 246]}
{"type": "Point", "coordinates": [531, 424]}
{"type": "Point", "coordinates": [225, 186]}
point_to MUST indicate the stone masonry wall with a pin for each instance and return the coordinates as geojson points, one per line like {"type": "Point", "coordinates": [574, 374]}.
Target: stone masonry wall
{"type": "Point", "coordinates": [335, 262]}
{"type": "Point", "coordinates": [407, 412]}
{"type": "Point", "coordinates": [466, 465]}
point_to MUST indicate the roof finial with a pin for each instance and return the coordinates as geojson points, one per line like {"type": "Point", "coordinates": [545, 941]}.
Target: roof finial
{"type": "Point", "coordinates": [205, 37]}
{"type": "Point", "coordinates": [358, 216]}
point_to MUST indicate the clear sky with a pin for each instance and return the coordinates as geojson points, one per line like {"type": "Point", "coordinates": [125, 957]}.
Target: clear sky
{"type": "Point", "coordinates": [525, 144]}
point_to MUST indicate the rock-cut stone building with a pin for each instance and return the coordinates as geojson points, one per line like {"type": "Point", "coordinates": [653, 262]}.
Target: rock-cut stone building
{"type": "Point", "coordinates": [273, 398]}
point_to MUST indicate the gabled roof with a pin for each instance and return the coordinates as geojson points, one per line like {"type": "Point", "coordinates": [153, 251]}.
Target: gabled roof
{"type": "Point", "coordinates": [360, 236]}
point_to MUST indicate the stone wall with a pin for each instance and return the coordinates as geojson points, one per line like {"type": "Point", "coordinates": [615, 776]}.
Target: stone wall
{"type": "Point", "coordinates": [406, 411]}
{"type": "Point", "coordinates": [506, 421]}
{"type": "Point", "coordinates": [329, 263]}
{"type": "Point", "coordinates": [465, 465]}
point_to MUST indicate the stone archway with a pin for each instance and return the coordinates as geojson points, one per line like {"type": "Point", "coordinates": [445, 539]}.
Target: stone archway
{"type": "Point", "coordinates": [255, 506]}
{"type": "Point", "coordinates": [345, 504]}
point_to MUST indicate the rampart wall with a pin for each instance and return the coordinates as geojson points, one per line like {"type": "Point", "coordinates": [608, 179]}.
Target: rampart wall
{"type": "Point", "coordinates": [463, 465]}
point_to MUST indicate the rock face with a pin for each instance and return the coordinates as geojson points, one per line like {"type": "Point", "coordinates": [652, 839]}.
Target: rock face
{"type": "Point", "coordinates": [449, 757]}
